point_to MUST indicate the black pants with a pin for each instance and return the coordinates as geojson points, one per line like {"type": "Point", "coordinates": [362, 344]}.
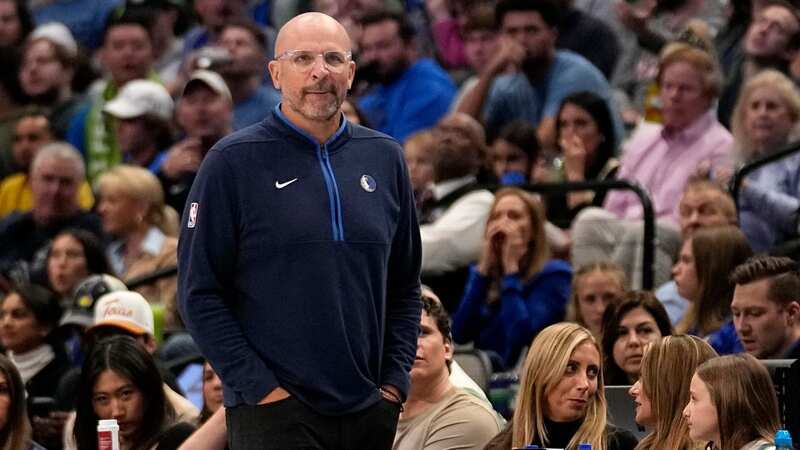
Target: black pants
{"type": "Point", "coordinates": [289, 424]}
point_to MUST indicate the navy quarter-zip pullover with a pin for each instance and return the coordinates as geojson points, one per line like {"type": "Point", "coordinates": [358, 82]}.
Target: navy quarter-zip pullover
{"type": "Point", "coordinates": [299, 265]}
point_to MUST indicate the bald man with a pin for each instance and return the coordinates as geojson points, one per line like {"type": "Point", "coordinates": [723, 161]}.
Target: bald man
{"type": "Point", "coordinates": [299, 261]}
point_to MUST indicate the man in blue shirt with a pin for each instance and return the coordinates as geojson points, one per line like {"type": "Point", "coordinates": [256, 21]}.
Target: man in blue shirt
{"type": "Point", "coordinates": [409, 94]}
{"type": "Point", "coordinates": [528, 78]}
{"type": "Point", "coordinates": [252, 98]}
{"type": "Point", "coordinates": [299, 261]}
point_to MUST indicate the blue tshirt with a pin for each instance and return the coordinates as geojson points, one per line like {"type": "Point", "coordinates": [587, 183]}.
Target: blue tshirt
{"type": "Point", "coordinates": [415, 101]}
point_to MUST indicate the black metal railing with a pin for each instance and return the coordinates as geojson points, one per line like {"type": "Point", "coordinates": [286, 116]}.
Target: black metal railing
{"type": "Point", "coordinates": [648, 256]}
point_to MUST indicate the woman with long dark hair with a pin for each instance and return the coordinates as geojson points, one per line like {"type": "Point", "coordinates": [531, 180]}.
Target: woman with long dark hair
{"type": "Point", "coordinates": [120, 381]}
{"type": "Point", "coordinates": [628, 326]}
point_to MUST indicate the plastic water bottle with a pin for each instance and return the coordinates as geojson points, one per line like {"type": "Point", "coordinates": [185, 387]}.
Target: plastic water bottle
{"type": "Point", "coordinates": [107, 435]}
{"type": "Point", "coordinates": [783, 440]}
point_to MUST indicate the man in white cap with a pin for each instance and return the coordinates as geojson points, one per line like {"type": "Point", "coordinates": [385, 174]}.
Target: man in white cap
{"type": "Point", "coordinates": [204, 113]}
{"type": "Point", "coordinates": [143, 110]}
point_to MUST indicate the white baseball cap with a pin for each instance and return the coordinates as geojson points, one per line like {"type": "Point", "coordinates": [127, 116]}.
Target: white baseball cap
{"type": "Point", "coordinates": [140, 97]}
{"type": "Point", "coordinates": [124, 309]}
{"type": "Point", "coordinates": [211, 79]}
{"type": "Point", "coordinates": [57, 33]}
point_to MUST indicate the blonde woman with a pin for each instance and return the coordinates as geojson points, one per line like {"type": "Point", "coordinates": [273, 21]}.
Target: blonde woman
{"type": "Point", "coordinates": [132, 209]}
{"type": "Point", "coordinates": [594, 287]}
{"type": "Point", "coordinates": [515, 290]}
{"type": "Point", "coordinates": [561, 402]}
{"type": "Point", "coordinates": [732, 404]}
{"type": "Point", "coordinates": [764, 121]}
{"type": "Point", "coordinates": [663, 390]}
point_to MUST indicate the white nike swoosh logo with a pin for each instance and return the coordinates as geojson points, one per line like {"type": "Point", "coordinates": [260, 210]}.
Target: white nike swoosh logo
{"type": "Point", "coordinates": [280, 185]}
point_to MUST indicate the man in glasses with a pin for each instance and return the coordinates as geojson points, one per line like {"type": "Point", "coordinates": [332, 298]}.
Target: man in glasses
{"type": "Point", "coordinates": [299, 261]}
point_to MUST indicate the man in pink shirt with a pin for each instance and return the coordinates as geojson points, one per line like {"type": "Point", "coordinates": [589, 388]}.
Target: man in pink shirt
{"type": "Point", "coordinates": [660, 158]}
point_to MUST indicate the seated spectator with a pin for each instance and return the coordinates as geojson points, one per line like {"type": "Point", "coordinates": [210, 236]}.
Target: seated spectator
{"type": "Point", "coordinates": [15, 428]}
{"type": "Point", "coordinates": [594, 287]}
{"type": "Point", "coordinates": [628, 326]}
{"type": "Point", "coordinates": [765, 307]}
{"type": "Point", "coordinates": [125, 313]}
{"type": "Point", "coordinates": [204, 113]}
{"type": "Point", "coordinates": [542, 75]}
{"type": "Point", "coordinates": [49, 61]}
{"type": "Point", "coordinates": [515, 290]}
{"type": "Point", "coordinates": [763, 122]}
{"type": "Point", "coordinates": [126, 54]}
{"type": "Point", "coordinates": [56, 173]}
{"type": "Point", "coordinates": [561, 401]}
{"type": "Point", "coordinates": [120, 381]}
{"type": "Point", "coordinates": [73, 255]}
{"type": "Point", "coordinates": [703, 204]}
{"type": "Point", "coordinates": [458, 377]}
{"type": "Point", "coordinates": [143, 111]}
{"type": "Point", "coordinates": [702, 275]}
{"type": "Point", "coordinates": [212, 393]}
{"type": "Point", "coordinates": [247, 45]}
{"type": "Point", "coordinates": [389, 59]}
{"type": "Point", "coordinates": [18, 25]}
{"type": "Point", "coordinates": [662, 391]}
{"type": "Point", "coordinates": [418, 153]}
{"type": "Point", "coordinates": [481, 41]}
{"type": "Point", "coordinates": [29, 314]}
{"type": "Point", "coordinates": [732, 404]}
{"type": "Point", "coordinates": [31, 132]}
{"type": "Point", "coordinates": [661, 158]}
{"type": "Point", "coordinates": [128, 314]}
{"type": "Point", "coordinates": [515, 153]}
{"type": "Point", "coordinates": [587, 145]}
{"type": "Point", "coordinates": [133, 212]}
{"type": "Point", "coordinates": [437, 414]}
{"type": "Point", "coordinates": [79, 313]}
{"type": "Point", "coordinates": [771, 41]}
{"type": "Point", "coordinates": [453, 222]}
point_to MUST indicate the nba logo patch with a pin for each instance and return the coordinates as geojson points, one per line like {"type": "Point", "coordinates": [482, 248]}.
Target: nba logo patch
{"type": "Point", "coordinates": [193, 215]}
{"type": "Point", "coordinates": [368, 183]}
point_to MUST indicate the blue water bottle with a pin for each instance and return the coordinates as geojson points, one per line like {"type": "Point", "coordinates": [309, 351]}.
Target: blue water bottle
{"type": "Point", "coordinates": [783, 440]}
{"type": "Point", "coordinates": [585, 446]}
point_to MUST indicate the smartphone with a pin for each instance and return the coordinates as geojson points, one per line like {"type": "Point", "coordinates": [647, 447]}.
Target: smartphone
{"type": "Point", "coordinates": [41, 406]}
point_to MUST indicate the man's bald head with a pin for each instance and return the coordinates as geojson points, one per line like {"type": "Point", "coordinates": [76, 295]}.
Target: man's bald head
{"type": "Point", "coordinates": [312, 23]}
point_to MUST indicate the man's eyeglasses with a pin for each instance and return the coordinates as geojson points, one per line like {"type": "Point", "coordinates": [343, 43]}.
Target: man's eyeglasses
{"type": "Point", "coordinates": [304, 60]}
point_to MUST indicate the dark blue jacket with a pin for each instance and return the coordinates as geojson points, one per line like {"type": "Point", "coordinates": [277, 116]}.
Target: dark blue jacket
{"type": "Point", "coordinates": [299, 265]}
{"type": "Point", "coordinates": [525, 308]}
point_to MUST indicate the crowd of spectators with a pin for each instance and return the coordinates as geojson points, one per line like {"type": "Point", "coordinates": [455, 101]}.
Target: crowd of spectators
{"type": "Point", "coordinates": [108, 107]}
